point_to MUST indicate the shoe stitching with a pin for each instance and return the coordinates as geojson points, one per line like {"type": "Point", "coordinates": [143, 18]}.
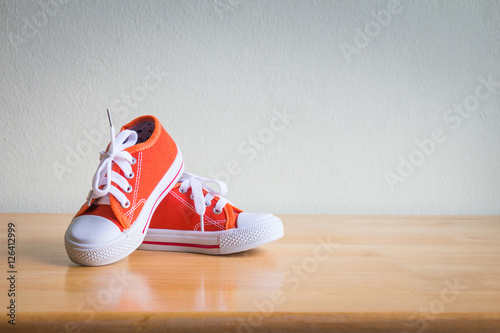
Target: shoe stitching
{"type": "Point", "coordinates": [218, 223]}
{"type": "Point", "coordinates": [139, 169]}
{"type": "Point", "coordinates": [210, 220]}
{"type": "Point", "coordinates": [136, 187]}
{"type": "Point", "coordinates": [135, 207]}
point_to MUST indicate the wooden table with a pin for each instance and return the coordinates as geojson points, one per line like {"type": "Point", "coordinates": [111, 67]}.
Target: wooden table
{"type": "Point", "coordinates": [328, 274]}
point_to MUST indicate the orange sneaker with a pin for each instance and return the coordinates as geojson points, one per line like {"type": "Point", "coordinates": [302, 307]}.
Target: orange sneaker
{"type": "Point", "coordinates": [194, 217]}
{"type": "Point", "coordinates": [140, 166]}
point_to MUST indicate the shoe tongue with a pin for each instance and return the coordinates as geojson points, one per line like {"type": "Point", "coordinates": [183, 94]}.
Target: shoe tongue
{"type": "Point", "coordinates": [103, 211]}
{"type": "Point", "coordinates": [103, 200]}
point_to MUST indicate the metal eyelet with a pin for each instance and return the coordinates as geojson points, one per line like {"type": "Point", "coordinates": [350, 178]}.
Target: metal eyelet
{"type": "Point", "coordinates": [208, 203]}
{"type": "Point", "coordinates": [131, 175]}
{"type": "Point", "coordinates": [191, 197]}
{"type": "Point", "coordinates": [134, 161]}
{"type": "Point", "coordinates": [129, 189]}
{"type": "Point", "coordinates": [216, 211]}
{"type": "Point", "coordinates": [127, 204]}
{"type": "Point", "coordinates": [182, 191]}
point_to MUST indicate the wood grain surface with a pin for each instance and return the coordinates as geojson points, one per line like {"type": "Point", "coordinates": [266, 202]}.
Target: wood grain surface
{"type": "Point", "coordinates": [328, 274]}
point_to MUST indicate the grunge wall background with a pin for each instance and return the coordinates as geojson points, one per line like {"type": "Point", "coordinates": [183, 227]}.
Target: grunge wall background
{"type": "Point", "coordinates": [345, 107]}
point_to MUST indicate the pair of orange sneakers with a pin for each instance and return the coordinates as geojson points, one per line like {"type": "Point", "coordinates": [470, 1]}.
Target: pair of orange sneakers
{"type": "Point", "coordinates": [142, 198]}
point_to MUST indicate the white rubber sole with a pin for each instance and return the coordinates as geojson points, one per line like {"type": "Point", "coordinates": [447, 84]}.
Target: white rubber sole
{"type": "Point", "coordinates": [214, 242]}
{"type": "Point", "coordinates": [130, 239]}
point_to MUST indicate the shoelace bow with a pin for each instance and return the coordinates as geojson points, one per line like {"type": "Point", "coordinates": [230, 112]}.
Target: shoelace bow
{"type": "Point", "coordinates": [101, 183]}
{"type": "Point", "coordinates": [201, 202]}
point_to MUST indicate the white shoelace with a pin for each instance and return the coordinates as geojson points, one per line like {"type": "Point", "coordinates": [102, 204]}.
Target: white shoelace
{"type": "Point", "coordinates": [104, 175]}
{"type": "Point", "coordinates": [202, 202]}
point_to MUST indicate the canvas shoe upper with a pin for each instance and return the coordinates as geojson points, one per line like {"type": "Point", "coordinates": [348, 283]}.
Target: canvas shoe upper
{"type": "Point", "coordinates": [139, 167]}
{"type": "Point", "coordinates": [195, 217]}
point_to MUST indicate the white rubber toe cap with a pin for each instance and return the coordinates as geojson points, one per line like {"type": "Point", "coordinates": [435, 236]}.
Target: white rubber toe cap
{"type": "Point", "coordinates": [246, 220]}
{"type": "Point", "coordinates": [92, 229]}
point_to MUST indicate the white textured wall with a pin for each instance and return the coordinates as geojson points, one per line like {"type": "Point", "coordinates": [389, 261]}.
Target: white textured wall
{"type": "Point", "coordinates": [218, 74]}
